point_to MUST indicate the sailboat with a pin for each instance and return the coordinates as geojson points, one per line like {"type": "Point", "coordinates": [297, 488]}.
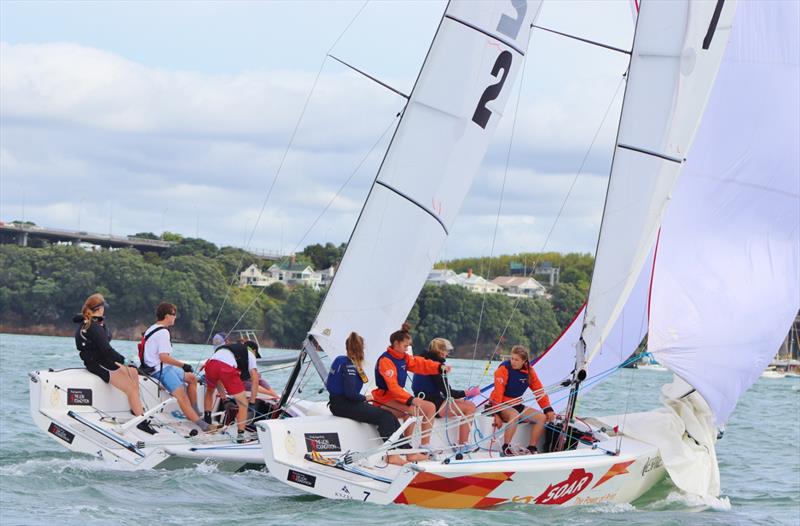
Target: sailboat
{"type": "Point", "coordinates": [676, 53]}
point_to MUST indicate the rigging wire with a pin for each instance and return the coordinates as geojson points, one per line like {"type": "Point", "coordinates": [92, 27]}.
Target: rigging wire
{"type": "Point", "coordinates": [500, 205]}
{"type": "Point", "coordinates": [324, 210]}
{"type": "Point", "coordinates": [280, 168]}
{"type": "Point", "coordinates": [554, 224]}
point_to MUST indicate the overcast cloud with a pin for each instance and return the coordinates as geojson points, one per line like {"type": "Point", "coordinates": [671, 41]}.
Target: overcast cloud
{"type": "Point", "coordinates": [95, 140]}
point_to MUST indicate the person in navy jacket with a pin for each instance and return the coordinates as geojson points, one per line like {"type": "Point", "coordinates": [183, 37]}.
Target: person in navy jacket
{"type": "Point", "coordinates": [344, 383]}
{"type": "Point", "coordinates": [436, 388]}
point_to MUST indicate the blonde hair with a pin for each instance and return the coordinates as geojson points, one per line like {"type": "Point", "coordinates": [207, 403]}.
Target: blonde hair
{"type": "Point", "coordinates": [522, 352]}
{"type": "Point", "coordinates": [355, 351]}
{"type": "Point", "coordinates": [89, 306]}
{"type": "Point", "coordinates": [438, 347]}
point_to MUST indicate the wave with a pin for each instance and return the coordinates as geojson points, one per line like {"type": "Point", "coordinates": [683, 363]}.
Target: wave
{"type": "Point", "coordinates": [690, 502]}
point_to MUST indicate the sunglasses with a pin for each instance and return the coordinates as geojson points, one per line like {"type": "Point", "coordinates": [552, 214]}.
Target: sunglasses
{"type": "Point", "coordinates": [98, 307]}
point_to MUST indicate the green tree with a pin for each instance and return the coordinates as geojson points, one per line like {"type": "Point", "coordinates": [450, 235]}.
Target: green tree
{"type": "Point", "coordinates": [145, 235]}
{"type": "Point", "coordinates": [289, 323]}
{"type": "Point", "coordinates": [191, 246]}
{"type": "Point", "coordinates": [566, 300]}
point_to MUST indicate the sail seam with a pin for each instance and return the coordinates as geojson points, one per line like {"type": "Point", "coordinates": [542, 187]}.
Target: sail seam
{"type": "Point", "coordinates": [414, 201]}
{"type": "Point", "coordinates": [479, 30]}
{"type": "Point", "coordinates": [651, 152]}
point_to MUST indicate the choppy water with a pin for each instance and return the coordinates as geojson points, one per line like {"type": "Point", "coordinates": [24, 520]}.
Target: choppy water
{"type": "Point", "coordinates": [42, 483]}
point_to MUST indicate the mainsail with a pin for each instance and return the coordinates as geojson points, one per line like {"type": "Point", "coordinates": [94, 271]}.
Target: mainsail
{"type": "Point", "coordinates": [677, 48]}
{"type": "Point", "coordinates": [437, 148]}
{"type": "Point", "coordinates": [727, 278]}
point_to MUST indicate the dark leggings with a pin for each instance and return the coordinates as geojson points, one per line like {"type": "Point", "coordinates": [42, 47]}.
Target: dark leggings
{"type": "Point", "coordinates": [364, 412]}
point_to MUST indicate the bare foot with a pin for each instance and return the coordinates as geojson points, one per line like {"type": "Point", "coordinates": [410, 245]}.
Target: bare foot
{"type": "Point", "coordinates": [397, 460]}
{"type": "Point", "coordinates": [417, 457]}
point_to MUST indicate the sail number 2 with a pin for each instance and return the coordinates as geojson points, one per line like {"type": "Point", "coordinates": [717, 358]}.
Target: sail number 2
{"type": "Point", "coordinates": [508, 26]}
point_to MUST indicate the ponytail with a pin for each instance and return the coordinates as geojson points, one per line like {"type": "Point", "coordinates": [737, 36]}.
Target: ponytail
{"type": "Point", "coordinates": [355, 351]}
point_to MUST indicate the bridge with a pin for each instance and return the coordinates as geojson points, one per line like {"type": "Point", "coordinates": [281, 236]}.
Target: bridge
{"type": "Point", "coordinates": [24, 234]}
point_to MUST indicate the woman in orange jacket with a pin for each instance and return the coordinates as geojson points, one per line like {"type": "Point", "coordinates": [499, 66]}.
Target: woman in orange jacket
{"type": "Point", "coordinates": [511, 380]}
{"type": "Point", "coordinates": [391, 372]}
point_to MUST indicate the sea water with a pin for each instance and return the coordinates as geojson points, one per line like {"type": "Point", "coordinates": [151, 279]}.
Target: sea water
{"type": "Point", "coordinates": [43, 483]}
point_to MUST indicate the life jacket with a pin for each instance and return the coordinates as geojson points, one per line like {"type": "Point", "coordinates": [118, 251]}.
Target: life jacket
{"type": "Point", "coordinates": [399, 364]}
{"type": "Point", "coordinates": [341, 367]}
{"type": "Point", "coordinates": [140, 347]}
{"type": "Point", "coordinates": [239, 352]}
{"type": "Point", "coordinates": [518, 380]}
{"type": "Point", "coordinates": [423, 383]}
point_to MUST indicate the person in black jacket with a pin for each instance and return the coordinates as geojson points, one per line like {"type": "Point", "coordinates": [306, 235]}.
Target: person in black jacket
{"type": "Point", "coordinates": [436, 388]}
{"type": "Point", "coordinates": [92, 340]}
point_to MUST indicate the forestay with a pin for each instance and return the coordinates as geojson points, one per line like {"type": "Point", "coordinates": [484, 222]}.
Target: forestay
{"type": "Point", "coordinates": [727, 278]}
{"type": "Point", "coordinates": [676, 53]}
{"type": "Point", "coordinates": [437, 148]}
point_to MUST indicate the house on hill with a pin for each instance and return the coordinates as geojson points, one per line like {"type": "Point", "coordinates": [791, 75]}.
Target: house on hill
{"type": "Point", "coordinates": [442, 276]}
{"type": "Point", "coordinates": [546, 268]}
{"type": "Point", "coordinates": [253, 277]}
{"type": "Point", "coordinates": [520, 286]}
{"type": "Point", "coordinates": [291, 273]}
{"type": "Point", "coordinates": [478, 284]}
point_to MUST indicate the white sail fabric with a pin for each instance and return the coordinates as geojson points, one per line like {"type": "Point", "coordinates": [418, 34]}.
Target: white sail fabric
{"type": "Point", "coordinates": [727, 279]}
{"type": "Point", "coordinates": [438, 146]}
{"type": "Point", "coordinates": [677, 49]}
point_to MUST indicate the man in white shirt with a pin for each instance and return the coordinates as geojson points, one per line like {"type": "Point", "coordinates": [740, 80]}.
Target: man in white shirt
{"type": "Point", "coordinates": [171, 372]}
{"type": "Point", "coordinates": [229, 365]}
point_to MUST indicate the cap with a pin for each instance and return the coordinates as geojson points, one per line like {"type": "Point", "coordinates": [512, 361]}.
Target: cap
{"type": "Point", "coordinates": [447, 344]}
{"type": "Point", "coordinates": [218, 339]}
{"type": "Point", "coordinates": [253, 346]}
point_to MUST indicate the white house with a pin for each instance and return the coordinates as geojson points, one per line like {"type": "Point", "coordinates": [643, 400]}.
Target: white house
{"type": "Point", "coordinates": [253, 277]}
{"type": "Point", "coordinates": [520, 286]}
{"type": "Point", "coordinates": [296, 274]}
{"type": "Point", "coordinates": [439, 277]}
{"type": "Point", "coordinates": [547, 269]}
{"type": "Point", "coordinates": [477, 284]}
{"type": "Point", "coordinates": [326, 276]}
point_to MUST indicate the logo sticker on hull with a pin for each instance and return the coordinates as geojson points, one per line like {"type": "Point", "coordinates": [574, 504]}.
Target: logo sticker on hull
{"type": "Point", "coordinates": [303, 479]}
{"type": "Point", "coordinates": [561, 492]}
{"type": "Point", "coordinates": [79, 396]}
{"type": "Point", "coordinates": [322, 442]}
{"type": "Point", "coordinates": [61, 433]}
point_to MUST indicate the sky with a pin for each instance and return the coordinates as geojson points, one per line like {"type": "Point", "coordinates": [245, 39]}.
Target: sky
{"type": "Point", "coordinates": [126, 117]}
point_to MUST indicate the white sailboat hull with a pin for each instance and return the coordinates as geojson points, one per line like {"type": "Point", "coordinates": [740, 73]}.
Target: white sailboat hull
{"type": "Point", "coordinates": [85, 415]}
{"type": "Point", "coordinates": [482, 479]}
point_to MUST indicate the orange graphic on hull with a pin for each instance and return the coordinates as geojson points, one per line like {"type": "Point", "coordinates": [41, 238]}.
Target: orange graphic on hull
{"type": "Point", "coordinates": [434, 491]}
{"type": "Point", "coordinates": [613, 471]}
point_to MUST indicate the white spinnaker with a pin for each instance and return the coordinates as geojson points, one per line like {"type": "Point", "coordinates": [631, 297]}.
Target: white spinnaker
{"type": "Point", "coordinates": [727, 279]}
{"type": "Point", "coordinates": [438, 146]}
{"type": "Point", "coordinates": [677, 49]}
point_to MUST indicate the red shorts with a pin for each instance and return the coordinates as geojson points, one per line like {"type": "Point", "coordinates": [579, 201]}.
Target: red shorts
{"type": "Point", "coordinates": [217, 371]}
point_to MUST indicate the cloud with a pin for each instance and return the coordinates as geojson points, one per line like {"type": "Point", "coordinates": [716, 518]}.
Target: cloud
{"type": "Point", "coordinates": [85, 131]}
